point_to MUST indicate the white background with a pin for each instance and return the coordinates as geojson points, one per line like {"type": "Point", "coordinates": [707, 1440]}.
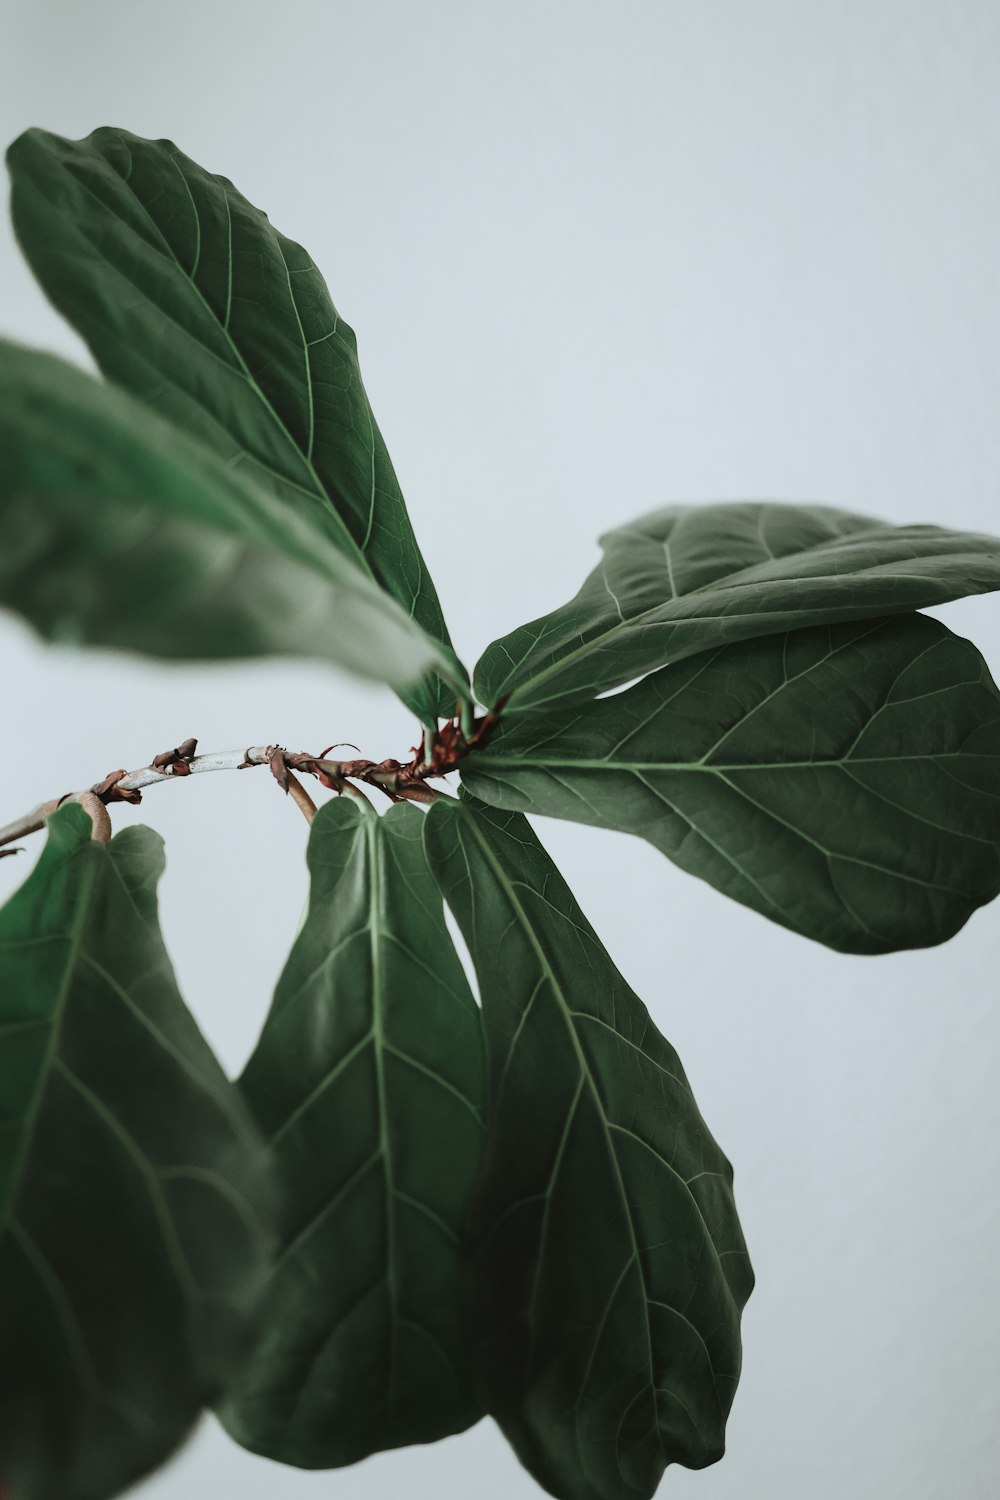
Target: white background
{"type": "Point", "coordinates": [600, 258]}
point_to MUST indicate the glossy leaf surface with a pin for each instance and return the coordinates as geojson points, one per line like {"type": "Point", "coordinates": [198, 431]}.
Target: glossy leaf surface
{"type": "Point", "coordinates": [690, 578]}
{"type": "Point", "coordinates": [610, 1269]}
{"type": "Point", "coordinates": [844, 781]}
{"type": "Point", "coordinates": [117, 530]}
{"type": "Point", "coordinates": [369, 1081]}
{"type": "Point", "coordinates": [189, 297]}
{"type": "Point", "coordinates": [133, 1195]}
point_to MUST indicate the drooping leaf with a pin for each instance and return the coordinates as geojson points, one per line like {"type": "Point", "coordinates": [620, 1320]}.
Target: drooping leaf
{"type": "Point", "coordinates": [610, 1269]}
{"type": "Point", "coordinates": [844, 781]}
{"type": "Point", "coordinates": [369, 1081]}
{"type": "Point", "coordinates": [189, 297]}
{"type": "Point", "coordinates": [118, 530]}
{"type": "Point", "coordinates": [689, 578]}
{"type": "Point", "coordinates": [134, 1197]}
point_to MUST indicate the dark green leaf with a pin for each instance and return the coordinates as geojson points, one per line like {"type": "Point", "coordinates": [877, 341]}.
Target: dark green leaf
{"type": "Point", "coordinates": [844, 781]}
{"type": "Point", "coordinates": [369, 1080]}
{"type": "Point", "coordinates": [133, 1194]}
{"type": "Point", "coordinates": [117, 530]}
{"type": "Point", "coordinates": [690, 578]}
{"type": "Point", "coordinates": [610, 1269]}
{"type": "Point", "coordinates": [189, 298]}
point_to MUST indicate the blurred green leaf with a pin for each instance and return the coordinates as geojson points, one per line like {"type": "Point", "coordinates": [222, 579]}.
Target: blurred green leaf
{"type": "Point", "coordinates": [134, 1198]}
{"type": "Point", "coordinates": [117, 530]}
{"type": "Point", "coordinates": [190, 299]}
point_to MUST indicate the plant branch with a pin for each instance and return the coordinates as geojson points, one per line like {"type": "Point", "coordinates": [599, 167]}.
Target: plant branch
{"type": "Point", "coordinates": [435, 756]}
{"type": "Point", "coordinates": [128, 786]}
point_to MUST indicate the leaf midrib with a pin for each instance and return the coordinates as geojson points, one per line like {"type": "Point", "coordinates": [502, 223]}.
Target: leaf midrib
{"type": "Point", "coordinates": [376, 877]}
{"type": "Point", "coordinates": [513, 761]}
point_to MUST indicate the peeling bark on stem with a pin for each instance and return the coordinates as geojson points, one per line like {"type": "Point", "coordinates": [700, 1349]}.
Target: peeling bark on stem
{"type": "Point", "coordinates": [137, 781]}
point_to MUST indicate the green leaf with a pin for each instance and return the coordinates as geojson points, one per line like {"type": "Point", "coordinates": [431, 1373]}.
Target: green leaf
{"type": "Point", "coordinates": [610, 1270]}
{"type": "Point", "coordinates": [844, 781]}
{"type": "Point", "coordinates": [190, 299]}
{"type": "Point", "coordinates": [117, 530]}
{"type": "Point", "coordinates": [134, 1195]}
{"type": "Point", "coordinates": [689, 578]}
{"type": "Point", "coordinates": [369, 1081]}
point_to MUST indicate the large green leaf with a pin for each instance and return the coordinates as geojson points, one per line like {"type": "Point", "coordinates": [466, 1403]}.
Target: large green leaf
{"type": "Point", "coordinates": [117, 530]}
{"type": "Point", "coordinates": [844, 781]}
{"type": "Point", "coordinates": [369, 1081]}
{"type": "Point", "coordinates": [133, 1187]}
{"type": "Point", "coordinates": [189, 298]}
{"type": "Point", "coordinates": [610, 1270]}
{"type": "Point", "coordinates": [690, 578]}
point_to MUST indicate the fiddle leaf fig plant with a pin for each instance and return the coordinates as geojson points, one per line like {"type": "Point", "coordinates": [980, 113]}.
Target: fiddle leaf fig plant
{"type": "Point", "coordinates": [412, 1209]}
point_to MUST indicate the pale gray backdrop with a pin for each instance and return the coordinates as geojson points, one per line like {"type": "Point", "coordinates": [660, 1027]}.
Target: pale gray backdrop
{"type": "Point", "coordinates": [599, 258]}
